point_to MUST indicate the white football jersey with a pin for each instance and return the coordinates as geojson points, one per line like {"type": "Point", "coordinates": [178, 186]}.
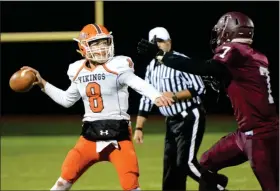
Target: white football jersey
{"type": "Point", "coordinates": [103, 96]}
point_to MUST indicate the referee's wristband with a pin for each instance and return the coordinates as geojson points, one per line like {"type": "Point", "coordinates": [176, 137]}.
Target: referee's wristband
{"type": "Point", "coordinates": [175, 98]}
{"type": "Point", "coordinates": [139, 128]}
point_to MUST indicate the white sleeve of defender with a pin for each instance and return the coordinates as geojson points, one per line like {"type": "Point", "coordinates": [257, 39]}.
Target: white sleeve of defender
{"type": "Point", "coordinates": [139, 85]}
{"type": "Point", "coordinates": [65, 98]}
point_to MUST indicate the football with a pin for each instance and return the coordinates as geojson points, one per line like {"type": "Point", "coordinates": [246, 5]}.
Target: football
{"type": "Point", "coordinates": [22, 80]}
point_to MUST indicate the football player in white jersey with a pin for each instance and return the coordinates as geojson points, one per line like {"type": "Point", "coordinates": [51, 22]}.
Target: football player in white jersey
{"type": "Point", "coordinates": [101, 80]}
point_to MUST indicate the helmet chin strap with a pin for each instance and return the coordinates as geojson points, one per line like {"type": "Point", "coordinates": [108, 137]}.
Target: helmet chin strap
{"type": "Point", "coordinates": [98, 61]}
{"type": "Point", "coordinates": [243, 40]}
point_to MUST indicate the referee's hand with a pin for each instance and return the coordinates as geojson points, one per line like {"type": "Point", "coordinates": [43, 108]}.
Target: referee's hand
{"type": "Point", "coordinates": [138, 136]}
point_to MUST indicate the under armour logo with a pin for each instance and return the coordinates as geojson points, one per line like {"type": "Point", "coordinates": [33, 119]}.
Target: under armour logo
{"type": "Point", "coordinates": [104, 132]}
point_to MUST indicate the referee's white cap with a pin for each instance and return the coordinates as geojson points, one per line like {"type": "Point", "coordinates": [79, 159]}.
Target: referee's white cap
{"type": "Point", "coordinates": [160, 33]}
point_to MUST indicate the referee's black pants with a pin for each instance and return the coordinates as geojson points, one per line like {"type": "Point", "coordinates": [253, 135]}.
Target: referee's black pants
{"type": "Point", "coordinates": [182, 141]}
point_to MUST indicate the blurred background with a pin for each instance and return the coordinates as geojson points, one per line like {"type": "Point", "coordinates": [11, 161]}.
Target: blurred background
{"type": "Point", "coordinates": [32, 124]}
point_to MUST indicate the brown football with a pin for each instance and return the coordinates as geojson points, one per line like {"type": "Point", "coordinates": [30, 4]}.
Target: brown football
{"type": "Point", "coordinates": [22, 80]}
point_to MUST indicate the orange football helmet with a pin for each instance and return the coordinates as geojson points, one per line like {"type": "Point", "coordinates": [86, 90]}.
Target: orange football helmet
{"type": "Point", "coordinates": [96, 43]}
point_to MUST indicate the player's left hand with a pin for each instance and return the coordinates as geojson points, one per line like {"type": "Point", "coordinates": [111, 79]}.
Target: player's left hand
{"type": "Point", "coordinates": [147, 49]}
{"type": "Point", "coordinates": [163, 101]}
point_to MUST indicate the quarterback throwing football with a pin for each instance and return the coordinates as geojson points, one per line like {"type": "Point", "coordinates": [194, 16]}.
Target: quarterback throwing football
{"type": "Point", "coordinates": [101, 80]}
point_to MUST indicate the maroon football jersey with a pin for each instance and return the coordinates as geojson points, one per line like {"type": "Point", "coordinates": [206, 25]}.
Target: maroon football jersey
{"type": "Point", "coordinates": [249, 89]}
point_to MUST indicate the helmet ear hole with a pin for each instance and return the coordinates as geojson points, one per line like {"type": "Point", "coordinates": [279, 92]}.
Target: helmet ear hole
{"type": "Point", "coordinates": [236, 22]}
{"type": "Point", "coordinates": [83, 51]}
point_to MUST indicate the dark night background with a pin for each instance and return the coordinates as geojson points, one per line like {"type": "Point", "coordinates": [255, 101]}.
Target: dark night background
{"type": "Point", "coordinates": [189, 24]}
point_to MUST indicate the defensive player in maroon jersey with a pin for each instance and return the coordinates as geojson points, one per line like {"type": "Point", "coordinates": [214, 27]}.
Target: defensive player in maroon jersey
{"type": "Point", "coordinates": [245, 75]}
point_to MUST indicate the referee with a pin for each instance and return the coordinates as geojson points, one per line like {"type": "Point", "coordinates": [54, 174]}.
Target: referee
{"type": "Point", "coordinates": [185, 122]}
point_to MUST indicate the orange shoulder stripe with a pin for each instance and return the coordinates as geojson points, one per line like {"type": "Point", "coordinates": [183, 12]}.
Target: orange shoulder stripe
{"type": "Point", "coordinates": [108, 70]}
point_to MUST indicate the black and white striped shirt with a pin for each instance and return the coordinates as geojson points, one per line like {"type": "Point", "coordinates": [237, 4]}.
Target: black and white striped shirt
{"type": "Point", "coordinates": [166, 79]}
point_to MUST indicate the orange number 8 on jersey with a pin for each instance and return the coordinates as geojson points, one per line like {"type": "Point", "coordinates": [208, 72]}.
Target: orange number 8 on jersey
{"type": "Point", "coordinates": [94, 96]}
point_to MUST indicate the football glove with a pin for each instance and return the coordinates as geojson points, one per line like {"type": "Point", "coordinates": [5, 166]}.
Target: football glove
{"type": "Point", "coordinates": [212, 82]}
{"type": "Point", "coordinates": [148, 49]}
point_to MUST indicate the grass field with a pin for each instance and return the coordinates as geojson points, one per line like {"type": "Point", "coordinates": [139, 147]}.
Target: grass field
{"type": "Point", "coordinates": [32, 152]}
